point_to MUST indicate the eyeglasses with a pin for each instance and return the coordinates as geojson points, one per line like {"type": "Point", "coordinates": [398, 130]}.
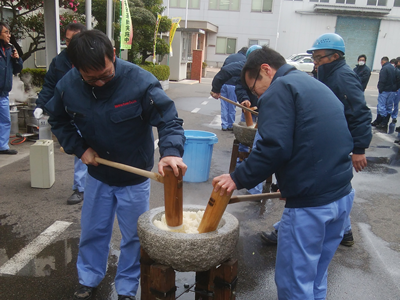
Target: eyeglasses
{"type": "Point", "coordinates": [254, 85]}
{"type": "Point", "coordinates": [317, 59]}
{"type": "Point", "coordinates": [104, 79]}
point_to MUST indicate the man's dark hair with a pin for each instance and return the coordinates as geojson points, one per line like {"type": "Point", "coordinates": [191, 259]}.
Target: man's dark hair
{"type": "Point", "coordinates": [88, 49]}
{"type": "Point", "coordinates": [393, 61]}
{"type": "Point", "coordinates": [258, 57]}
{"type": "Point", "coordinates": [243, 50]}
{"type": "Point", "coordinates": [2, 24]}
{"type": "Point", "coordinates": [362, 55]}
{"type": "Point", "coordinates": [385, 58]}
{"type": "Point", "coordinates": [75, 27]}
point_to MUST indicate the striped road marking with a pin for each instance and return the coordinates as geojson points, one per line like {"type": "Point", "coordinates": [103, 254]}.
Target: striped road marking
{"type": "Point", "coordinates": [19, 260]}
{"type": "Point", "coordinates": [195, 110]}
{"type": "Point", "coordinates": [204, 103]}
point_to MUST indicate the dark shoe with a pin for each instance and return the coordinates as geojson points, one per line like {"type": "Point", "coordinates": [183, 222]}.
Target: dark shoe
{"type": "Point", "coordinates": [230, 129]}
{"type": "Point", "coordinates": [83, 293]}
{"type": "Point", "coordinates": [76, 197]}
{"type": "Point", "coordinates": [9, 152]}
{"type": "Point", "coordinates": [347, 240]}
{"type": "Point", "coordinates": [378, 120]}
{"type": "Point", "coordinates": [224, 129]}
{"type": "Point", "coordinates": [270, 237]}
{"type": "Point", "coordinates": [397, 129]}
{"type": "Point", "coordinates": [397, 142]}
{"type": "Point", "coordinates": [122, 297]}
{"type": "Point", "coordinates": [382, 127]}
{"type": "Point", "coordinates": [394, 121]}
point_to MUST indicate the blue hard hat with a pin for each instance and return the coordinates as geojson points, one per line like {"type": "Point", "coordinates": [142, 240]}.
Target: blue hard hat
{"type": "Point", "coordinates": [252, 48]}
{"type": "Point", "coordinates": [328, 41]}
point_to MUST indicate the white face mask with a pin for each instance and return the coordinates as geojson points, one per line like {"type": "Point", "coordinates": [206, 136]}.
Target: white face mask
{"type": "Point", "coordinates": [361, 63]}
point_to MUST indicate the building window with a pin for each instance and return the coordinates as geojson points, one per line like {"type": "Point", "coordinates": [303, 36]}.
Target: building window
{"type": "Point", "coordinates": [261, 6]}
{"type": "Point", "coordinates": [224, 4]}
{"type": "Point", "coordinates": [258, 42]}
{"type": "Point", "coordinates": [321, 1]}
{"type": "Point", "coordinates": [186, 47]}
{"type": "Point", "coordinates": [396, 3]}
{"type": "Point", "coordinates": [346, 1]}
{"type": "Point", "coordinates": [377, 2]}
{"type": "Point", "coordinates": [225, 45]}
{"type": "Point", "coordinates": [182, 3]}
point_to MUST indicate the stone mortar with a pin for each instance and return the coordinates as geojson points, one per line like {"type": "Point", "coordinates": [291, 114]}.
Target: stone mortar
{"type": "Point", "coordinates": [188, 252]}
{"type": "Point", "coordinates": [245, 135]}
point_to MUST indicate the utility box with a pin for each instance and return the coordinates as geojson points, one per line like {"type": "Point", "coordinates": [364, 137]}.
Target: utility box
{"type": "Point", "coordinates": [42, 164]}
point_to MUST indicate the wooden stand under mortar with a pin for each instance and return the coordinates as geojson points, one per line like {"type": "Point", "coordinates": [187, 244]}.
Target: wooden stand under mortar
{"type": "Point", "coordinates": [157, 281]}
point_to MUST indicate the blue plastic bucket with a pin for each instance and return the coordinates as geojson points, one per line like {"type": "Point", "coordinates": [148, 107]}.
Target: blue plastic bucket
{"type": "Point", "coordinates": [198, 152]}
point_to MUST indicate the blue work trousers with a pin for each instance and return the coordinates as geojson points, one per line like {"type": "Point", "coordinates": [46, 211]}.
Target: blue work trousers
{"type": "Point", "coordinates": [347, 225]}
{"type": "Point", "coordinates": [396, 105]}
{"type": "Point", "coordinates": [80, 171]}
{"type": "Point", "coordinates": [5, 123]}
{"type": "Point", "coordinates": [385, 103]}
{"type": "Point", "coordinates": [228, 110]}
{"type": "Point", "coordinates": [101, 204]}
{"type": "Point", "coordinates": [307, 240]}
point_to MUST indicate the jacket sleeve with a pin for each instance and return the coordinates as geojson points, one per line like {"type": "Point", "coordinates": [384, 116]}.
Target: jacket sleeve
{"type": "Point", "coordinates": [382, 79]}
{"type": "Point", "coordinates": [160, 110]}
{"type": "Point", "coordinates": [358, 115]}
{"type": "Point", "coordinates": [63, 127]}
{"type": "Point", "coordinates": [17, 65]}
{"type": "Point", "coordinates": [226, 73]}
{"type": "Point", "coordinates": [241, 93]}
{"type": "Point", "coordinates": [274, 149]}
{"type": "Point", "coordinates": [50, 82]}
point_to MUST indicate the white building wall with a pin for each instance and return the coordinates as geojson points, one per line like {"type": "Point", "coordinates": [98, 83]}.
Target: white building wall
{"type": "Point", "coordinates": [297, 31]}
{"type": "Point", "coordinates": [388, 42]}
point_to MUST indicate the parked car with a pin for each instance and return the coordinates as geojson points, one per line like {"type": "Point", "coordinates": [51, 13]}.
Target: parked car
{"type": "Point", "coordinates": [295, 57]}
{"type": "Point", "coordinates": [305, 64]}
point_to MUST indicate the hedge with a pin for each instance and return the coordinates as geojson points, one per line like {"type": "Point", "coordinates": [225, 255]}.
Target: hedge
{"type": "Point", "coordinates": [161, 72]}
{"type": "Point", "coordinates": [37, 76]}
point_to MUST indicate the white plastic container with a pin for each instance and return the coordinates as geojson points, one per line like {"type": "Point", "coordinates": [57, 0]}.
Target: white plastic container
{"type": "Point", "coordinates": [42, 164]}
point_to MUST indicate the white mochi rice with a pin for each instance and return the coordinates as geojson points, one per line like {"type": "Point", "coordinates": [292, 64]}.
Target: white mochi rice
{"type": "Point", "coordinates": [191, 222]}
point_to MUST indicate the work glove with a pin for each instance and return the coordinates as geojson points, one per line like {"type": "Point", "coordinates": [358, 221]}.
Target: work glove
{"type": "Point", "coordinates": [38, 113]}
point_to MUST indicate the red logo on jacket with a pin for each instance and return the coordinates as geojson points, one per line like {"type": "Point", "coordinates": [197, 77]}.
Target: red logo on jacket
{"type": "Point", "coordinates": [125, 103]}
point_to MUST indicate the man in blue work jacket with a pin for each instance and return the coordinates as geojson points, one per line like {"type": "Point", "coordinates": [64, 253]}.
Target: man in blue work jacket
{"type": "Point", "coordinates": [60, 66]}
{"type": "Point", "coordinates": [227, 90]}
{"type": "Point", "coordinates": [10, 64]}
{"type": "Point", "coordinates": [114, 104]}
{"type": "Point", "coordinates": [309, 153]}
{"type": "Point", "coordinates": [328, 54]}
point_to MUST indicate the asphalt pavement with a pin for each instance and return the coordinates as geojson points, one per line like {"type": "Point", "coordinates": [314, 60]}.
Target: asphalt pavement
{"type": "Point", "coordinates": [368, 270]}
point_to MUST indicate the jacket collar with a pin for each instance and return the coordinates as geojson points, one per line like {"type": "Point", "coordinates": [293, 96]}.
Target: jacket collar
{"type": "Point", "coordinates": [325, 70]}
{"type": "Point", "coordinates": [282, 71]}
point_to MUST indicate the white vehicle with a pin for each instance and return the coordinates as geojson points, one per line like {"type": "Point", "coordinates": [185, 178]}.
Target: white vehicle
{"type": "Point", "coordinates": [296, 57]}
{"type": "Point", "coordinates": [305, 64]}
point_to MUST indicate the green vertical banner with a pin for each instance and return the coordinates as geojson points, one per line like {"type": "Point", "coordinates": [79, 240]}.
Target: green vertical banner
{"type": "Point", "coordinates": [126, 26]}
{"type": "Point", "coordinates": [155, 38]}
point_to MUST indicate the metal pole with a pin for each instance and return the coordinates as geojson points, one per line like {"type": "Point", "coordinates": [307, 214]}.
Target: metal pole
{"type": "Point", "coordinates": [88, 12]}
{"type": "Point", "coordinates": [51, 29]}
{"type": "Point", "coordinates": [187, 11]}
{"type": "Point", "coordinates": [109, 19]}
